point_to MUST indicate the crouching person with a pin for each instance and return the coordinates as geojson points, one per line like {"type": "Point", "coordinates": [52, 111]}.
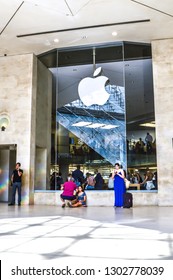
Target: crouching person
{"type": "Point", "coordinates": [81, 198]}
{"type": "Point", "coordinates": [69, 190]}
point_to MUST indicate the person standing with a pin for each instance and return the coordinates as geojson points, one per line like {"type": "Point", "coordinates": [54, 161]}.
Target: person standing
{"type": "Point", "coordinates": [148, 180]}
{"type": "Point", "coordinates": [78, 176]}
{"type": "Point", "coordinates": [149, 141]}
{"type": "Point", "coordinates": [90, 182]}
{"type": "Point", "coordinates": [16, 180]}
{"type": "Point", "coordinates": [110, 182]}
{"type": "Point", "coordinates": [59, 181]}
{"type": "Point", "coordinates": [98, 180]}
{"type": "Point", "coordinates": [119, 185]}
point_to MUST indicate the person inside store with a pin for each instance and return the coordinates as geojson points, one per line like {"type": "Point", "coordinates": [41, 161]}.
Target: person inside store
{"type": "Point", "coordinates": [148, 180]}
{"type": "Point", "coordinates": [78, 176]}
{"type": "Point", "coordinates": [69, 190]}
{"type": "Point", "coordinates": [119, 185]}
{"type": "Point", "coordinates": [89, 182]}
{"type": "Point", "coordinates": [81, 198]}
{"type": "Point", "coordinates": [155, 179]}
{"type": "Point", "coordinates": [98, 180]}
{"type": "Point", "coordinates": [149, 140]}
{"type": "Point", "coordinates": [139, 147]}
{"type": "Point", "coordinates": [110, 182]}
{"type": "Point", "coordinates": [59, 181]}
{"type": "Point", "coordinates": [136, 178]}
{"type": "Point", "coordinates": [52, 181]}
{"type": "Point", "coordinates": [16, 180]}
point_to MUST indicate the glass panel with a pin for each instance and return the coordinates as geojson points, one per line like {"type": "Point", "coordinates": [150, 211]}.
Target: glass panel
{"type": "Point", "coordinates": [140, 121]}
{"type": "Point", "coordinates": [96, 131]}
{"type": "Point", "coordinates": [91, 130]}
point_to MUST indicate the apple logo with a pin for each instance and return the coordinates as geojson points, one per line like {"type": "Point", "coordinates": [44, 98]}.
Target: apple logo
{"type": "Point", "coordinates": [92, 90]}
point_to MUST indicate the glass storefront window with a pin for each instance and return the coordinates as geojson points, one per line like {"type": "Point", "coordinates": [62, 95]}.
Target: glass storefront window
{"type": "Point", "coordinates": [140, 123]}
{"type": "Point", "coordinates": [97, 123]}
{"type": "Point", "coordinates": [90, 114]}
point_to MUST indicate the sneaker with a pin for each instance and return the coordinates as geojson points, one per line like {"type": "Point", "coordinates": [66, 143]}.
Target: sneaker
{"type": "Point", "coordinates": [63, 205]}
{"type": "Point", "coordinates": [10, 204]}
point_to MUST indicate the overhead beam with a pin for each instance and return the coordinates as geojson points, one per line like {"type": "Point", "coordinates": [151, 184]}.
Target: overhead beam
{"type": "Point", "coordinates": [83, 27]}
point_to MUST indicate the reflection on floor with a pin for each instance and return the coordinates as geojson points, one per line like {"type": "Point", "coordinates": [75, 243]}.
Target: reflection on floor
{"type": "Point", "coordinates": [50, 232]}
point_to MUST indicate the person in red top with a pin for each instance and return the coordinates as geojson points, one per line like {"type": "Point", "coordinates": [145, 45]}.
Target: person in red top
{"type": "Point", "coordinates": [68, 188]}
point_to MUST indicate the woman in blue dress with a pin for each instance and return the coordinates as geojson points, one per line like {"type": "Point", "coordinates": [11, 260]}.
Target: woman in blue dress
{"type": "Point", "coordinates": [119, 185]}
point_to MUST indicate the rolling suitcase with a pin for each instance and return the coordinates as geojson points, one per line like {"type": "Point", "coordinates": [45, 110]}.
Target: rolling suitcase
{"type": "Point", "coordinates": [128, 200]}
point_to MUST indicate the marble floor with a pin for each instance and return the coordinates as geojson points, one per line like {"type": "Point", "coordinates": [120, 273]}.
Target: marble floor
{"type": "Point", "coordinates": [108, 233]}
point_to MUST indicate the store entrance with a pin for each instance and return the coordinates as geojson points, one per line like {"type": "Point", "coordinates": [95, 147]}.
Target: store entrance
{"type": "Point", "coordinates": [7, 164]}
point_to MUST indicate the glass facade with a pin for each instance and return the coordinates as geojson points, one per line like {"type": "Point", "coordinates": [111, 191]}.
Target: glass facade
{"type": "Point", "coordinates": [140, 117]}
{"type": "Point", "coordinates": [103, 113]}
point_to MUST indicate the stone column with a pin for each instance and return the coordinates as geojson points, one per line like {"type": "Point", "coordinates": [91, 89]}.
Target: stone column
{"type": "Point", "coordinates": [162, 53]}
{"type": "Point", "coordinates": [18, 81]}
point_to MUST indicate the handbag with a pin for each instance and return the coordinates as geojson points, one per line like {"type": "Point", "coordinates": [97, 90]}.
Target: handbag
{"type": "Point", "coordinates": [127, 183]}
{"type": "Point", "coordinates": [150, 185]}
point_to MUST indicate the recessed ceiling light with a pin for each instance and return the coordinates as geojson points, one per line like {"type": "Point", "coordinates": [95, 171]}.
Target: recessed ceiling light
{"type": "Point", "coordinates": [151, 124]}
{"type": "Point", "coordinates": [95, 125]}
{"type": "Point", "coordinates": [114, 33]}
{"type": "Point", "coordinates": [109, 126]}
{"type": "Point", "coordinates": [56, 40]}
{"type": "Point", "coordinates": [81, 123]}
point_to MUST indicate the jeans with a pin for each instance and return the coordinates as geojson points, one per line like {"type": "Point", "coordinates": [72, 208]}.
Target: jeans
{"type": "Point", "coordinates": [16, 186]}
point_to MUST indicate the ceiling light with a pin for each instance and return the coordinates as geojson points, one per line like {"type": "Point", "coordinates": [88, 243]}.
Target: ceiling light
{"type": "Point", "coordinates": [56, 40]}
{"type": "Point", "coordinates": [109, 126]}
{"type": "Point", "coordinates": [95, 125]}
{"type": "Point", "coordinates": [114, 33]}
{"type": "Point", "coordinates": [151, 124]}
{"type": "Point", "coordinates": [81, 124]}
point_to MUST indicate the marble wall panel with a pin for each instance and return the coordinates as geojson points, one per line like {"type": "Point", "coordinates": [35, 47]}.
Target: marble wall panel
{"type": "Point", "coordinates": [96, 198]}
{"type": "Point", "coordinates": [16, 100]}
{"type": "Point", "coordinates": [162, 53]}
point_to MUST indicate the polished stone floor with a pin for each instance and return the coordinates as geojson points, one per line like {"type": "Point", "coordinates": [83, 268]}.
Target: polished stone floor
{"type": "Point", "coordinates": [50, 232]}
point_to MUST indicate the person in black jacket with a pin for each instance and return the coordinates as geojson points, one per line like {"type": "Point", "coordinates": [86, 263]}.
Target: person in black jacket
{"type": "Point", "coordinates": [98, 180]}
{"type": "Point", "coordinates": [78, 176]}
